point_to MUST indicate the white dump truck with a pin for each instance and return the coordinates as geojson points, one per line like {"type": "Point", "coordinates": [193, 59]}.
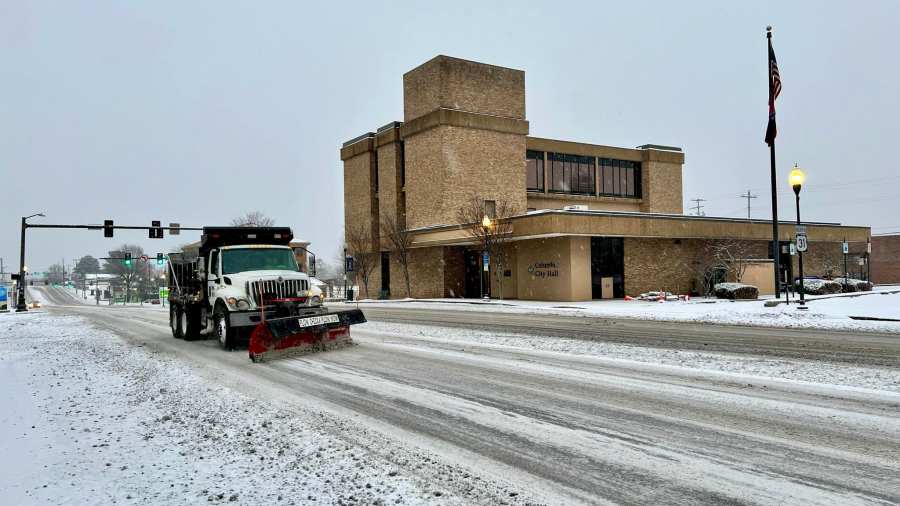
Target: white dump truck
{"type": "Point", "coordinates": [243, 285]}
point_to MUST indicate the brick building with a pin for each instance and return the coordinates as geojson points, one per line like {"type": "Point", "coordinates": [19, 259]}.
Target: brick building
{"type": "Point", "coordinates": [886, 258]}
{"type": "Point", "coordinates": [585, 220]}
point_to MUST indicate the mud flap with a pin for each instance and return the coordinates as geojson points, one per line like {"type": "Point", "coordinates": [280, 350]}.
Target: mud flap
{"type": "Point", "coordinates": [279, 337]}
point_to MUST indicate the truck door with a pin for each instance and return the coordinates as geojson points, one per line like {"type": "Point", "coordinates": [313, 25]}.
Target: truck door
{"type": "Point", "coordinates": [213, 277]}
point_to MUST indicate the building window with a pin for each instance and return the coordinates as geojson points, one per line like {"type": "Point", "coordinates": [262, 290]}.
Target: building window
{"type": "Point", "coordinates": [490, 209]}
{"type": "Point", "coordinates": [571, 173]}
{"type": "Point", "coordinates": [620, 178]}
{"type": "Point", "coordinates": [534, 170]}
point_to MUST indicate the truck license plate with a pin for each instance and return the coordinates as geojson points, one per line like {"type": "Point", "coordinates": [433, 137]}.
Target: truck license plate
{"type": "Point", "coordinates": [312, 321]}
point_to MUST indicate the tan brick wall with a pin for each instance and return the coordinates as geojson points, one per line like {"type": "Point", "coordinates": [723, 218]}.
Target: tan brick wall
{"type": "Point", "coordinates": [660, 264]}
{"type": "Point", "coordinates": [388, 183]}
{"type": "Point", "coordinates": [661, 186]}
{"type": "Point", "coordinates": [461, 84]}
{"type": "Point", "coordinates": [886, 259]}
{"type": "Point", "coordinates": [446, 165]}
{"type": "Point", "coordinates": [426, 272]}
{"type": "Point", "coordinates": [360, 205]}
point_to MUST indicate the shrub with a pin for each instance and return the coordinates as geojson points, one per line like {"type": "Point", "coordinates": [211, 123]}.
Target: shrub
{"type": "Point", "coordinates": [734, 291]}
{"type": "Point", "coordinates": [818, 286]}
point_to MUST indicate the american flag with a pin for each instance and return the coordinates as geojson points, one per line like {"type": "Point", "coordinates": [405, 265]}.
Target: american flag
{"type": "Point", "coordinates": [774, 91]}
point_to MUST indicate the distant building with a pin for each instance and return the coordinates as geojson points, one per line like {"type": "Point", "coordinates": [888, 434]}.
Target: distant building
{"type": "Point", "coordinates": [589, 221]}
{"type": "Point", "coordinates": [885, 258]}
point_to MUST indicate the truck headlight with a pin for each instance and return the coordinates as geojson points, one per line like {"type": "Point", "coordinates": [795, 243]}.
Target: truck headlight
{"type": "Point", "coordinates": [238, 303]}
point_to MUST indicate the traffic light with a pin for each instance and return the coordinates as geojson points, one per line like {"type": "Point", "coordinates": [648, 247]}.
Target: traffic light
{"type": "Point", "coordinates": [107, 228]}
{"type": "Point", "coordinates": [127, 259]}
{"type": "Point", "coordinates": [156, 231]}
{"type": "Point", "coordinates": [160, 259]}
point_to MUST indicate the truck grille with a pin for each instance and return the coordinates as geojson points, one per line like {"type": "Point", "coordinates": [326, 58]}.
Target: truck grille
{"type": "Point", "coordinates": [274, 289]}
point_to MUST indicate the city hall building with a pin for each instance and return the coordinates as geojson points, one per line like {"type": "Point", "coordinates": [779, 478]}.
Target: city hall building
{"type": "Point", "coordinates": [588, 221]}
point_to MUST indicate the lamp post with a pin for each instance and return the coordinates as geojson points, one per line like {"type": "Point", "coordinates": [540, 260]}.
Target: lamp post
{"type": "Point", "coordinates": [20, 296]}
{"type": "Point", "coordinates": [796, 178]}
{"type": "Point", "coordinates": [486, 225]}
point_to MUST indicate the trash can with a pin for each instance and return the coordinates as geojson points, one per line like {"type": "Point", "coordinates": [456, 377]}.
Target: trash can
{"type": "Point", "coordinates": [349, 294]}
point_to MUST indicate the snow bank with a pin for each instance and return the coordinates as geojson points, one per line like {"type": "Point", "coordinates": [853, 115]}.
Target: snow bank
{"type": "Point", "coordinates": [833, 313]}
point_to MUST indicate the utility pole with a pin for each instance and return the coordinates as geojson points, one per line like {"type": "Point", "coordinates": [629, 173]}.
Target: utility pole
{"type": "Point", "coordinates": [748, 196]}
{"type": "Point", "coordinates": [697, 207]}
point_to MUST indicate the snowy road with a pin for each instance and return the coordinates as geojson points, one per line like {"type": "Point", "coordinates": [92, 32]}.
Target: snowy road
{"type": "Point", "coordinates": [563, 428]}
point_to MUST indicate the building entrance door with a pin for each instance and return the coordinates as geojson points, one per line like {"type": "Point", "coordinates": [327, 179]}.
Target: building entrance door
{"type": "Point", "coordinates": [385, 275]}
{"type": "Point", "coordinates": [607, 267]}
{"type": "Point", "coordinates": [476, 276]}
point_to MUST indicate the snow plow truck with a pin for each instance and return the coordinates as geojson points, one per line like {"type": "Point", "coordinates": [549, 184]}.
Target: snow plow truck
{"type": "Point", "coordinates": [243, 285]}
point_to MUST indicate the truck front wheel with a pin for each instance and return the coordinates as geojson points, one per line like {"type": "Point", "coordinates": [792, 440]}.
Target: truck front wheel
{"type": "Point", "coordinates": [224, 332]}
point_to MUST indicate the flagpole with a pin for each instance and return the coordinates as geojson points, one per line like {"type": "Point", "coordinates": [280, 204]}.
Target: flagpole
{"type": "Point", "coordinates": [776, 245]}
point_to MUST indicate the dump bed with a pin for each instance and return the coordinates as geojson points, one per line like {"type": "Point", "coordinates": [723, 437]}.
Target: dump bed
{"type": "Point", "coordinates": [182, 275]}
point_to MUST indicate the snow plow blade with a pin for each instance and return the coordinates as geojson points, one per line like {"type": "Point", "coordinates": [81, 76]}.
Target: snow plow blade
{"type": "Point", "coordinates": [293, 335]}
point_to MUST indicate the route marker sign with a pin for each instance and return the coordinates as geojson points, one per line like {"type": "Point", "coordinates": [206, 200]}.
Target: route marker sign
{"type": "Point", "coordinates": [801, 243]}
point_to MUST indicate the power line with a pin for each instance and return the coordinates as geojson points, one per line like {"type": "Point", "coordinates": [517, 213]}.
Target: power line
{"type": "Point", "coordinates": [697, 208]}
{"type": "Point", "coordinates": [748, 196]}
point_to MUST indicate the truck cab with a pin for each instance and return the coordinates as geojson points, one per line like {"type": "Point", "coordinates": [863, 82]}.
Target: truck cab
{"type": "Point", "coordinates": [238, 275]}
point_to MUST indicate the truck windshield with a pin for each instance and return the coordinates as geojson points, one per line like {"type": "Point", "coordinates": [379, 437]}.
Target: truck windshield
{"type": "Point", "coordinates": [257, 259]}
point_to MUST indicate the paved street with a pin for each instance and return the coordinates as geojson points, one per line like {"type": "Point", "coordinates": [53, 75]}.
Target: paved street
{"type": "Point", "coordinates": [568, 428]}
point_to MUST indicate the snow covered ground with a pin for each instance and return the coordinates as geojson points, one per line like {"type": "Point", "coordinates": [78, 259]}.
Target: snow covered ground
{"type": "Point", "coordinates": [90, 419]}
{"type": "Point", "coordinates": [825, 312]}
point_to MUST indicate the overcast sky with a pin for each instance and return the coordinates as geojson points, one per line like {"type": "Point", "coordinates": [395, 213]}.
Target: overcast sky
{"type": "Point", "coordinates": [196, 112]}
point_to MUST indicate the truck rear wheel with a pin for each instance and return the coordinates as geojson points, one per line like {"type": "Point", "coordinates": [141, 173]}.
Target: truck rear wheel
{"type": "Point", "coordinates": [175, 321]}
{"type": "Point", "coordinates": [190, 322]}
{"type": "Point", "coordinates": [224, 331]}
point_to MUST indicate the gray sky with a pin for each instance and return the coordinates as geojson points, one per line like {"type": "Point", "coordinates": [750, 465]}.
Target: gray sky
{"type": "Point", "coordinates": [198, 111]}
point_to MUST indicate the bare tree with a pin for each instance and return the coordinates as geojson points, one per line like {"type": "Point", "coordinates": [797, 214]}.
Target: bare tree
{"type": "Point", "coordinates": [127, 275]}
{"type": "Point", "coordinates": [253, 219]}
{"type": "Point", "coordinates": [488, 223]}
{"type": "Point", "coordinates": [361, 246]}
{"type": "Point", "coordinates": [56, 274]}
{"type": "Point", "coordinates": [399, 241]}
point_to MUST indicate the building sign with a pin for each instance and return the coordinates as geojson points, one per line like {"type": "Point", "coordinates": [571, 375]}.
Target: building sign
{"type": "Point", "coordinates": [4, 300]}
{"type": "Point", "coordinates": [543, 270]}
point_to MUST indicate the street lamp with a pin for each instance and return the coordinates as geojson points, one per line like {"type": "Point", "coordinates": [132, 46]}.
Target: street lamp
{"type": "Point", "coordinates": [796, 179]}
{"type": "Point", "coordinates": [20, 297]}
{"type": "Point", "coordinates": [486, 224]}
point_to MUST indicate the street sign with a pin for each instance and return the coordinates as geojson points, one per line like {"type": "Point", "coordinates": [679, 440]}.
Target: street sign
{"type": "Point", "coordinates": [174, 228]}
{"type": "Point", "coordinates": [846, 247]}
{"type": "Point", "coordinates": [163, 292]}
{"type": "Point", "coordinates": [861, 260]}
{"type": "Point", "coordinates": [869, 247]}
{"type": "Point", "coordinates": [144, 258]}
{"type": "Point", "coordinates": [801, 243]}
{"type": "Point", "coordinates": [156, 231]}
{"type": "Point", "coordinates": [793, 249]}
{"type": "Point", "coordinates": [485, 261]}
